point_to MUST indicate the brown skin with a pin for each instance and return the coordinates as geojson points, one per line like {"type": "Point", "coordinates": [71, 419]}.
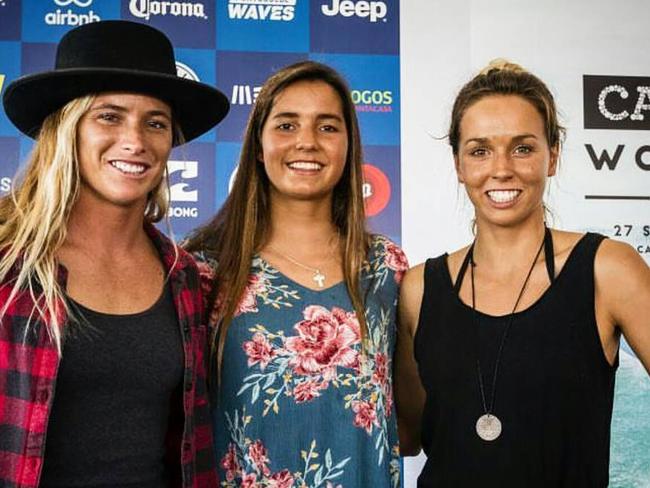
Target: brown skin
{"type": "Point", "coordinates": [112, 265]}
{"type": "Point", "coordinates": [503, 147]}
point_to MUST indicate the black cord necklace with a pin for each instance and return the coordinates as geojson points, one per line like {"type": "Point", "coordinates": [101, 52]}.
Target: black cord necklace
{"type": "Point", "coordinates": [488, 425]}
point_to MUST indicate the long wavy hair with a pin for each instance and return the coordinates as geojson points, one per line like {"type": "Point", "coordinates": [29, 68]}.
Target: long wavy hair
{"type": "Point", "coordinates": [241, 228]}
{"type": "Point", "coordinates": [34, 217]}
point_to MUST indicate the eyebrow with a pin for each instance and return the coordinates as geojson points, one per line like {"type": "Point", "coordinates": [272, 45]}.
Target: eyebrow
{"type": "Point", "coordinates": [120, 108]}
{"type": "Point", "coordinates": [295, 115]}
{"type": "Point", "coordinates": [484, 140]}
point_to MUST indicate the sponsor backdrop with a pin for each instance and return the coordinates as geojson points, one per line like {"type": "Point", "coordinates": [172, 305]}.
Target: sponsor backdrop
{"type": "Point", "coordinates": [593, 55]}
{"type": "Point", "coordinates": [597, 67]}
{"type": "Point", "coordinates": [235, 45]}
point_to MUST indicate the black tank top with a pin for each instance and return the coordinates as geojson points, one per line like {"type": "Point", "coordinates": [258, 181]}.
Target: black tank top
{"type": "Point", "coordinates": [554, 391]}
{"type": "Point", "coordinates": [111, 408]}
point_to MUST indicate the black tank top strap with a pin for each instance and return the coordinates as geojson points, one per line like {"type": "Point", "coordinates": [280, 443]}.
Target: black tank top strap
{"type": "Point", "coordinates": [549, 254]}
{"type": "Point", "coordinates": [463, 269]}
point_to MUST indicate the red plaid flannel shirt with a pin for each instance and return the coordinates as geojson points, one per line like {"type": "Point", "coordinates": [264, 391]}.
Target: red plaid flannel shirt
{"type": "Point", "coordinates": [28, 369]}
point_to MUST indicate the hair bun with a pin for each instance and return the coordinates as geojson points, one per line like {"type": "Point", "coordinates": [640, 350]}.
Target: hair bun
{"type": "Point", "coordinates": [502, 64]}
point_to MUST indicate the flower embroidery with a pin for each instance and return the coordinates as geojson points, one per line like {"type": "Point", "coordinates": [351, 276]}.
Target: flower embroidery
{"type": "Point", "coordinates": [325, 339]}
{"type": "Point", "coordinates": [259, 350]}
{"type": "Point", "coordinates": [396, 260]}
{"type": "Point", "coordinates": [248, 463]}
{"type": "Point", "coordinates": [366, 416]}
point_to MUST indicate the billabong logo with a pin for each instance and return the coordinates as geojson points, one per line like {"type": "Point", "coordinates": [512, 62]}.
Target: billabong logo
{"type": "Point", "coordinates": [244, 94]}
{"type": "Point", "coordinates": [616, 102]}
{"type": "Point", "coordinates": [372, 100]}
{"type": "Point", "coordinates": [68, 17]}
{"type": "Point", "coordinates": [282, 10]}
{"type": "Point", "coordinates": [374, 11]}
{"type": "Point", "coordinates": [78, 3]}
{"type": "Point", "coordinates": [184, 71]}
{"type": "Point", "coordinates": [182, 192]}
{"type": "Point", "coordinates": [144, 9]}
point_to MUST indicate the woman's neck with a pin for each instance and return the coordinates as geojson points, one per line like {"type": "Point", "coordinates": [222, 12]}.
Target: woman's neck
{"type": "Point", "coordinates": [301, 223]}
{"type": "Point", "coordinates": [507, 247]}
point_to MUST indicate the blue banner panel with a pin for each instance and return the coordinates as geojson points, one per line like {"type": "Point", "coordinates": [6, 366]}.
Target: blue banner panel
{"type": "Point", "coordinates": [9, 71]}
{"type": "Point", "coordinates": [263, 25]}
{"type": "Point", "coordinates": [187, 23]}
{"type": "Point", "coordinates": [381, 190]}
{"type": "Point", "coordinates": [228, 157]}
{"type": "Point", "coordinates": [37, 57]}
{"type": "Point", "coordinates": [48, 20]}
{"type": "Point", "coordinates": [197, 65]}
{"type": "Point", "coordinates": [363, 27]}
{"type": "Point", "coordinates": [374, 82]}
{"type": "Point", "coordinates": [191, 180]}
{"type": "Point", "coordinates": [10, 14]}
{"type": "Point", "coordinates": [240, 76]}
{"type": "Point", "coordinates": [9, 157]}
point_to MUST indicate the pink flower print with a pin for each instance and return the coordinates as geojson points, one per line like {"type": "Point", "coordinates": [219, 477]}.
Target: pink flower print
{"type": "Point", "coordinates": [249, 481]}
{"type": "Point", "coordinates": [366, 415]}
{"type": "Point", "coordinates": [248, 301]}
{"type": "Point", "coordinates": [380, 373]}
{"type": "Point", "coordinates": [331, 485]}
{"type": "Point", "coordinates": [388, 406]}
{"type": "Point", "coordinates": [324, 341]}
{"type": "Point", "coordinates": [283, 479]}
{"type": "Point", "coordinates": [258, 455]}
{"type": "Point", "coordinates": [259, 350]}
{"type": "Point", "coordinates": [396, 260]}
{"type": "Point", "coordinates": [308, 390]}
{"type": "Point", "coordinates": [230, 464]}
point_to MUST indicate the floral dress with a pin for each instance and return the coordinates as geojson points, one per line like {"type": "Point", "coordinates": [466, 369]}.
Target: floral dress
{"type": "Point", "coordinates": [299, 404]}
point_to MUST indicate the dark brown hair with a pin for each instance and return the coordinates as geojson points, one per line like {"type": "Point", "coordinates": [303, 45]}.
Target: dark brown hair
{"type": "Point", "coordinates": [241, 227]}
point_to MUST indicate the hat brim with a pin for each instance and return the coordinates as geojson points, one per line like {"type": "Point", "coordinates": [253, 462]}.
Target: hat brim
{"type": "Point", "coordinates": [197, 107]}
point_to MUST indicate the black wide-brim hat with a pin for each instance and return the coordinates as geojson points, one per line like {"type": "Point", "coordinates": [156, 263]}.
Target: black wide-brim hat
{"type": "Point", "coordinates": [112, 56]}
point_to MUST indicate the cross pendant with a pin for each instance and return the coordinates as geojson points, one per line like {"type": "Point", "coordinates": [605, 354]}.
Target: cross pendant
{"type": "Point", "coordinates": [319, 278]}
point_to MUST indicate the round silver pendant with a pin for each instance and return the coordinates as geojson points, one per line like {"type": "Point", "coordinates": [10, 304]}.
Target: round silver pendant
{"type": "Point", "coordinates": [488, 427]}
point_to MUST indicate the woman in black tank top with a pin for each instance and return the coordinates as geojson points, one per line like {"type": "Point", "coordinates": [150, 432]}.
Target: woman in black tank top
{"type": "Point", "coordinates": [508, 347]}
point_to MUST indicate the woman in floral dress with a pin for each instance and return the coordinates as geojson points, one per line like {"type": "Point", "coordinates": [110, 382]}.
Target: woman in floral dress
{"type": "Point", "coordinates": [304, 302]}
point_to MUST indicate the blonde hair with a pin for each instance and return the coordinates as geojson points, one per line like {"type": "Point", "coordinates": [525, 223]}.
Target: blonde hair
{"type": "Point", "coordinates": [34, 216]}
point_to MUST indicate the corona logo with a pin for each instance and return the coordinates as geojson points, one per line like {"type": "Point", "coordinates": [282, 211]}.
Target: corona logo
{"type": "Point", "coordinates": [144, 9]}
{"type": "Point", "coordinates": [274, 10]}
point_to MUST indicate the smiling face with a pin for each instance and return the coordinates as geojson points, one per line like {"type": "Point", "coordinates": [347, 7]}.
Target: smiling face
{"type": "Point", "coordinates": [504, 159]}
{"type": "Point", "coordinates": [123, 143]}
{"type": "Point", "coordinates": [305, 142]}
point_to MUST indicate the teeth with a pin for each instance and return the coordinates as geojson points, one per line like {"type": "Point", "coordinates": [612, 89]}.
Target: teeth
{"type": "Point", "coordinates": [503, 196]}
{"type": "Point", "coordinates": [305, 165]}
{"type": "Point", "coordinates": [128, 167]}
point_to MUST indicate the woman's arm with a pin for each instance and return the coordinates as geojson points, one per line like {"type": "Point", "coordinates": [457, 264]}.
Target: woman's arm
{"type": "Point", "coordinates": [623, 299]}
{"type": "Point", "coordinates": [409, 394]}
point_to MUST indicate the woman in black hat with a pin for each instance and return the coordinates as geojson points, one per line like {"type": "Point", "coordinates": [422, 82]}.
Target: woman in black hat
{"type": "Point", "coordinates": [94, 300]}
